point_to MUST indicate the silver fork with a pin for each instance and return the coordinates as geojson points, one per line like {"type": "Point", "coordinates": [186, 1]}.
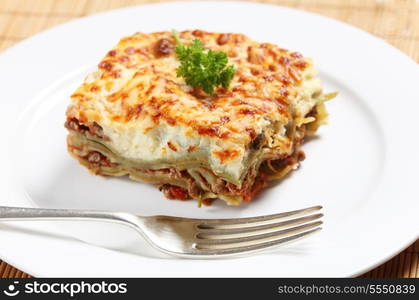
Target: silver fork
{"type": "Point", "coordinates": [194, 238]}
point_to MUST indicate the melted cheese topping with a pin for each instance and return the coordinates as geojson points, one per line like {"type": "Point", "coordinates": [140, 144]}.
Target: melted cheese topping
{"type": "Point", "coordinates": [151, 116]}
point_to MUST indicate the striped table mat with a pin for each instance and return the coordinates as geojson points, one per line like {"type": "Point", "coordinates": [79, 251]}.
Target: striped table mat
{"type": "Point", "coordinates": [396, 21]}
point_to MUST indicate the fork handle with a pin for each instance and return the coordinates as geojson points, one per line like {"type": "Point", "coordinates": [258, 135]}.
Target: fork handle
{"type": "Point", "coordinates": [8, 213]}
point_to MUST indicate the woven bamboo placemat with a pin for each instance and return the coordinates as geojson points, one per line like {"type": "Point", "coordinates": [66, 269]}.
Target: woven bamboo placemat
{"type": "Point", "coordinates": [396, 21]}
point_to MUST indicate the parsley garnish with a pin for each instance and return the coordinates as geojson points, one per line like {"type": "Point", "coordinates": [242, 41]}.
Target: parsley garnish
{"type": "Point", "coordinates": [201, 68]}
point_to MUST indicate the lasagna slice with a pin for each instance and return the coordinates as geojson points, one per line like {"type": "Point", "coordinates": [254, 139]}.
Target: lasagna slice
{"type": "Point", "coordinates": [135, 117]}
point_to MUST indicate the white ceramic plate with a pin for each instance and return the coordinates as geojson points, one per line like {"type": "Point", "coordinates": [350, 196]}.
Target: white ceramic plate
{"type": "Point", "coordinates": [362, 167]}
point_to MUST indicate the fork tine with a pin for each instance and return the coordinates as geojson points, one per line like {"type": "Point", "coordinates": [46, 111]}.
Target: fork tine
{"type": "Point", "coordinates": [255, 247]}
{"type": "Point", "coordinates": [211, 243]}
{"type": "Point", "coordinates": [209, 233]}
{"type": "Point", "coordinates": [219, 223]}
